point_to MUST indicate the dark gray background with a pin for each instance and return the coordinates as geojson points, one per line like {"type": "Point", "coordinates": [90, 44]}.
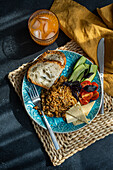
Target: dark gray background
{"type": "Point", "coordinates": [20, 148]}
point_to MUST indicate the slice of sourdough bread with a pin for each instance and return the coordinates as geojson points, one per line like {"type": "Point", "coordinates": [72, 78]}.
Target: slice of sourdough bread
{"type": "Point", "coordinates": [44, 73]}
{"type": "Point", "coordinates": [54, 55]}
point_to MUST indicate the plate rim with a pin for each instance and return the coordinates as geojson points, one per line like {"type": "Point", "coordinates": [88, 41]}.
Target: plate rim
{"type": "Point", "coordinates": [45, 127]}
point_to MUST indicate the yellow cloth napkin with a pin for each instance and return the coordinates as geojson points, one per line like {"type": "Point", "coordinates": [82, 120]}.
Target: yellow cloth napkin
{"type": "Point", "coordinates": [86, 29]}
{"type": "Point", "coordinates": [106, 13]}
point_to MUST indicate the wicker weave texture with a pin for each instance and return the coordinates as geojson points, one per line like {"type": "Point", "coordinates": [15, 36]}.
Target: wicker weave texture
{"type": "Point", "coordinates": [70, 143]}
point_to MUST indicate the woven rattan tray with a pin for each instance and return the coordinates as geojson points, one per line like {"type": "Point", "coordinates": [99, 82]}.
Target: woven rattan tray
{"type": "Point", "coordinates": [70, 143]}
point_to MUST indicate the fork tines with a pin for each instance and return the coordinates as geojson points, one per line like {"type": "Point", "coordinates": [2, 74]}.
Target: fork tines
{"type": "Point", "coordinates": [33, 91]}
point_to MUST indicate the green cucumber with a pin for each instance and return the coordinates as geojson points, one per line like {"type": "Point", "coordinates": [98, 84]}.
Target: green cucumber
{"type": "Point", "coordinates": [93, 69]}
{"type": "Point", "coordinates": [77, 72]}
{"type": "Point", "coordinates": [82, 74]}
{"type": "Point", "coordinates": [87, 66]}
{"type": "Point", "coordinates": [79, 62]}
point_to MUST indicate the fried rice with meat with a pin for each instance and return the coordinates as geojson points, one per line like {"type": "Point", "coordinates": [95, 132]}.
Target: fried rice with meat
{"type": "Point", "coordinates": [58, 99]}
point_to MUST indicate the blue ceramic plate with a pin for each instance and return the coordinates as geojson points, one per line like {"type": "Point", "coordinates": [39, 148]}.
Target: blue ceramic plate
{"type": "Point", "coordinates": [58, 124]}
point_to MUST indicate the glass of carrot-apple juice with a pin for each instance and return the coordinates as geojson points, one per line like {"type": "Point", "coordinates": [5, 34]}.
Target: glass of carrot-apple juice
{"type": "Point", "coordinates": [43, 27]}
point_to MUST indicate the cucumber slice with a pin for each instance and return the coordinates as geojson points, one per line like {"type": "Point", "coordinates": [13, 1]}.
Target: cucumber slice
{"type": "Point", "coordinates": [82, 74]}
{"type": "Point", "coordinates": [79, 62]}
{"type": "Point", "coordinates": [87, 66]}
{"type": "Point", "coordinates": [93, 69]}
{"type": "Point", "coordinates": [77, 72]}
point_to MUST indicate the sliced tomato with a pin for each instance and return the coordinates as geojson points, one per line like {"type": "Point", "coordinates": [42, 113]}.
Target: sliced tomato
{"type": "Point", "coordinates": [95, 95]}
{"type": "Point", "coordinates": [86, 95]}
{"type": "Point", "coordinates": [95, 84]}
{"type": "Point", "coordinates": [85, 83]}
{"type": "Point", "coordinates": [81, 91]}
{"type": "Point", "coordinates": [83, 102]}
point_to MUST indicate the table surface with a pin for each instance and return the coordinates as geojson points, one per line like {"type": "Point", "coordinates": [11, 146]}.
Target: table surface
{"type": "Point", "coordinates": [20, 147]}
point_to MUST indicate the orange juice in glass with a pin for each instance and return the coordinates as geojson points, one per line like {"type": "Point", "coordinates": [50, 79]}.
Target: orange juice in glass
{"type": "Point", "coordinates": [43, 27]}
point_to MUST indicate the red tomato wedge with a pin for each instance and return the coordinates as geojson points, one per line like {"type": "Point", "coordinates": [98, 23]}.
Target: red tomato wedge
{"type": "Point", "coordinates": [81, 91]}
{"type": "Point", "coordinates": [95, 95]}
{"type": "Point", "coordinates": [83, 102]}
{"type": "Point", "coordinates": [86, 95]}
{"type": "Point", "coordinates": [85, 83]}
{"type": "Point", "coordinates": [95, 84]}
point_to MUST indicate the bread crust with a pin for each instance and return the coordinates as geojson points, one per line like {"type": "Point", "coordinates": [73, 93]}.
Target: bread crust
{"type": "Point", "coordinates": [42, 61]}
{"type": "Point", "coordinates": [43, 56]}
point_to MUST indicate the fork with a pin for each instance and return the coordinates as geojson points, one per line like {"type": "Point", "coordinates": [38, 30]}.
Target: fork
{"type": "Point", "coordinates": [34, 95]}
